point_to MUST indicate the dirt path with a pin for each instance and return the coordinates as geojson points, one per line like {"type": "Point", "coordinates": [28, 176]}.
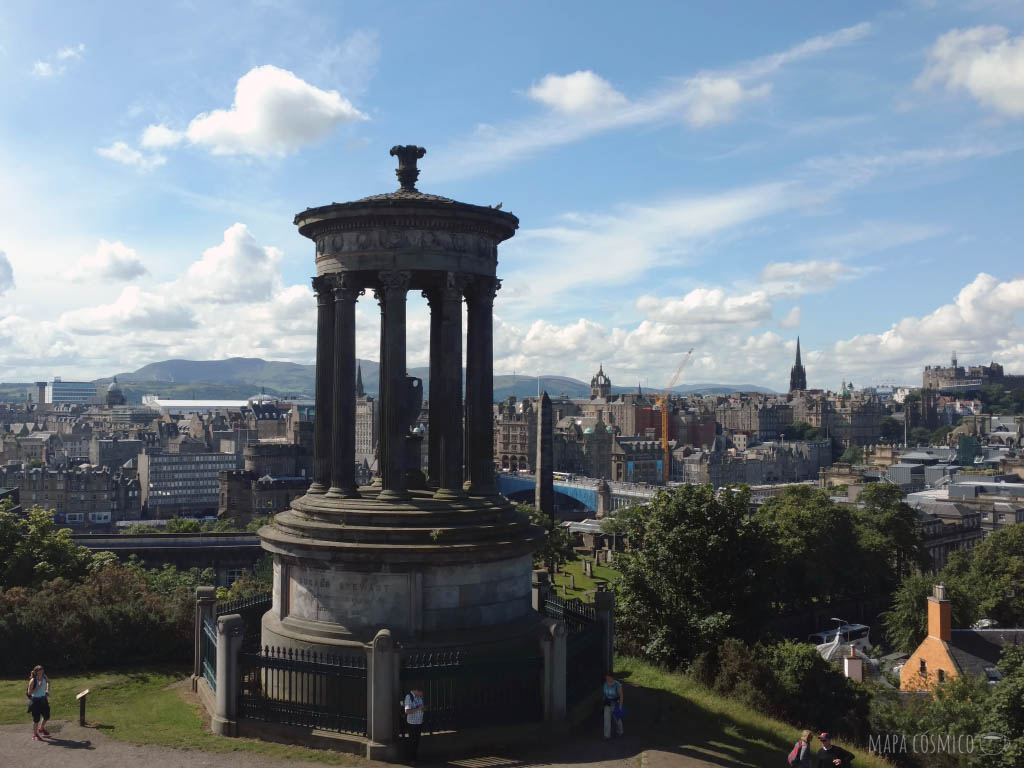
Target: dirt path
{"type": "Point", "coordinates": [71, 746]}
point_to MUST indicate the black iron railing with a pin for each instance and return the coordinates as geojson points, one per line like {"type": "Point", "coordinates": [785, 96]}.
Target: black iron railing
{"type": "Point", "coordinates": [310, 690]}
{"type": "Point", "coordinates": [462, 690]}
{"type": "Point", "coordinates": [208, 652]}
{"type": "Point", "coordinates": [576, 614]}
{"type": "Point", "coordinates": [251, 609]}
{"type": "Point", "coordinates": [584, 663]}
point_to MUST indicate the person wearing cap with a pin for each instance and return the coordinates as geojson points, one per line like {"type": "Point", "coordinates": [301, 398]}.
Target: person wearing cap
{"type": "Point", "coordinates": [831, 756]}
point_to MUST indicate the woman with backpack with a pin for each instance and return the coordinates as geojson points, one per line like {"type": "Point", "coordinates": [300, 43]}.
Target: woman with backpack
{"type": "Point", "coordinates": [800, 755]}
{"type": "Point", "coordinates": [38, 704]}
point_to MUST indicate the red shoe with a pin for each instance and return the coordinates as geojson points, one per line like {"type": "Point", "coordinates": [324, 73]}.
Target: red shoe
{"type": "Point", "coordinates": [35, 737]}
{"type": "Point", "coordinates": [44, 732]}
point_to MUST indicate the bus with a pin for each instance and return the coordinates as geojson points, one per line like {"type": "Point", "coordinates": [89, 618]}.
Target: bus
{"type": "Point", "coordinates": [857, 635]}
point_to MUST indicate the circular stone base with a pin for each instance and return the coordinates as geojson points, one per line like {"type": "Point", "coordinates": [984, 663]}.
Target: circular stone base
{"type": "Point", "coordinates": [429, 570]}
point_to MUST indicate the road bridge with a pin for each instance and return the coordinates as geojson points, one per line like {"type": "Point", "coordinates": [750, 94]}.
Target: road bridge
{"type": "Point", "coordinates": [584, 490]}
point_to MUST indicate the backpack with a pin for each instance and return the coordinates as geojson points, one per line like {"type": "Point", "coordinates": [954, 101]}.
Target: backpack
{"type": "Point", "coordinates": [794, 754]}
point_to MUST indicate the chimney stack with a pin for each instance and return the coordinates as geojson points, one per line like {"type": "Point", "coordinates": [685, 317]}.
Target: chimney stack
{"type": "Point", "coordinates": [939, 614]}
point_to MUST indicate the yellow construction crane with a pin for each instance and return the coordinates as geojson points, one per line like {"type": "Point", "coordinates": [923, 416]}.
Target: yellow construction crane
{"type": "Point", "coordinates": [663, 402]}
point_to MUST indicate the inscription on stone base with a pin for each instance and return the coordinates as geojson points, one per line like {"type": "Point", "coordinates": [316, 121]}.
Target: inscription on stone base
{"type": "Point", "coordinates": [351, 600]}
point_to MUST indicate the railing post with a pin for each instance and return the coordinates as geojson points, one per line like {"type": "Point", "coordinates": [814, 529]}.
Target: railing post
{"type": "Point", "coordinates": [604, 607]}
{"type": "Point", "coordinates": [230, 630]}
{"type": "Point", "coordinates": [541, 584]}
{"type": "Point", "coordinates": [205, 599]}
{"type": "Point", "coordinates": [552, 635]}
{"type": "Point", "coordinates": [381, 697]}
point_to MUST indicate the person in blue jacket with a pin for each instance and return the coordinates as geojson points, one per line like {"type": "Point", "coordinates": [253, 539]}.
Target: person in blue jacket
{"type": "Point", "coordinates": [612, 707]}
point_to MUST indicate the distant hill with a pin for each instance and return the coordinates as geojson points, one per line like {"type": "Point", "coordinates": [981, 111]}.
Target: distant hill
{"type": "Point", "coordinates": [238, 378]}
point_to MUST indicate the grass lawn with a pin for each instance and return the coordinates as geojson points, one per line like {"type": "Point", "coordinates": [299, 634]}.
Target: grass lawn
{"type": "Point", "coordinates": [704, 725]}
{"type": "Point", "coordinates": [584, 584]}
{"type": "Point", "coordinates": [145, 707]}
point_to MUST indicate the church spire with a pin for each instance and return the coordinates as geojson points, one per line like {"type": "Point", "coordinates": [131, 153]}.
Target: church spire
{"type": "Point", "coordinates": [797, 374]}
{"type": "Point", "coordinates": [359, 381]}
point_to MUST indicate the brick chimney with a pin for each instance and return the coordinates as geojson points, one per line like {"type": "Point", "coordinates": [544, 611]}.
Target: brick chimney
{"type": "Point", "coordinates": [939, 614]}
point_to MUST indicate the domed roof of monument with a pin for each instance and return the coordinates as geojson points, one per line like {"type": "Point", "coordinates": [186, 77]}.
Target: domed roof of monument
{"type": "Point", "coordinates": [114, 386]}
{"type": "Point", "coordinates": [406, 196]}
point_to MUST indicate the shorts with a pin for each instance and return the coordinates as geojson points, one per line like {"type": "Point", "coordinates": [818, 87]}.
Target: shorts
{"type": "Point", "coordinates": [40, 708]}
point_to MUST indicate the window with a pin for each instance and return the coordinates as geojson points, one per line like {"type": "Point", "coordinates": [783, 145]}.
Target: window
{"type": "Point", "coordinates": [942, 675]}
{"type": "Point", "coordinates": [924, 668]}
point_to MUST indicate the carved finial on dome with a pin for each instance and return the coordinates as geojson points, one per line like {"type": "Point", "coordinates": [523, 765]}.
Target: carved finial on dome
{"type": "Point", "coordinates": [407, 172]}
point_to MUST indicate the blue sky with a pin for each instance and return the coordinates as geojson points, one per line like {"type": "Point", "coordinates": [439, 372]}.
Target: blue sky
{"type": "Point", "coordinates": [721, 176]}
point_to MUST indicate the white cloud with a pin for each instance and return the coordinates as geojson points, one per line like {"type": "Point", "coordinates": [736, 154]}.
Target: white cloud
{"type": "Point", "coordinates": [981, 323]}
{"type": "Point", "coordinates": [110, 261]}
{"type": "Point", "coordinates": [63, 57]}
{"type": "Point", "coordinates": [6, 273]}
{"type": "Point", "coordinates": [584, 104]}
{"type": "Point", "coordinates": [708, 306]}
{"type": "Point", "coordinates": [791, 319]}
{"type": "Point", "coordinates": [134, 310]}
{"type": "Point", "coordinates": [983, 61]}
{"type": "Point", "coordinates": [160, 136]}
{"type": "Point", "coordinates": [582, 91]}
{"type": "Point", "coordinates": [796, 278]}
{"type": "Point", "coordinates": [71, 52]}
{"type": "Point", "coordinates": [274, 113]}
{"type": "Point", "coordinates": [126, 155]}
{"type": "Point", "coordinates": [239, 269]}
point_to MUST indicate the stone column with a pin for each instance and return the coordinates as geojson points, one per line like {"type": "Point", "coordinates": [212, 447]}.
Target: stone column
{"type": "Point", "coordinates": [382, 697]}
{"type": "Point", "coordinates": [230, 630]}
{"type": "Point", "coordinates": [324, 419]}
{"type": "Point", "coordinates": [544, 490]}
{"type": "Point", "coordinates": [541, 587]}
{"type": "Point", "coordinates": [391, 295]}
{"type": "Point", "coordinates": [343, 469]}
{"type": "Point", "coordinates": [206, 597]}
{"type": "Point", "coordinates": [604, 605]}
{"type": "Point", "coordinates": [480, 386]}
{"type": "Point", "coordinates": [447, 310]}
{"type": "Point", "coordinates": [553, 651]}
{"type": "Point", "coordinates": [433, 298]}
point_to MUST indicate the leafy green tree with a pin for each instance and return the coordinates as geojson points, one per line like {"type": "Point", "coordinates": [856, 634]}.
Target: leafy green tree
{"type": "Point", "coordinates": [557, 547]}
{"type": "Point", "coordinates": [34, 550]}
{"type": "Point", "coordinates": [256, 523]}
{"type": "Point", "coordinates": [691, 574]}
{"type": "Point", "coordinates": [890, 430]}
{"type": "Point", "coordinates": [906, 622]}
{"type": "Point", "coordinates": [854, 454]}
{"type": "Point", "coordinates": [891, 542]}
{"type": "Point", "coordinates": [183, 525]}
{"type": "Point", "coordinates": [138, 529]}
{"type": "Point", "coordinates": [221, 526]}
{"type": "Point", "coordinates": [1005, 710]}
{"type": "Point", "coordinates": [940, 435]}
{"type": "Point", "coordinates": [796, 431]}
{"type": "Point", "coordinates": [919, 436]}
{"type": "Point", "coordinates": [997, 576]}
{"type": "Point", "coordinates": [810, 547]}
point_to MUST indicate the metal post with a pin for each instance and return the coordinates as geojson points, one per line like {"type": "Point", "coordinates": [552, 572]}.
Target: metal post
{"type": "Point", "coordinates": [206, 597]}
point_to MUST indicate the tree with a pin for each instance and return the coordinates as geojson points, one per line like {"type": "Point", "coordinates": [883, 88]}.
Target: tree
{"type": "Point", "coordinates": [34, 550]}
{"type": "Point", "coordinates": [890, 538]}
{"type": "Point", "coordinates": [796, 431]}
{"type": "Point", "coordinates": [890, 430]}
{"type": "Point", "coordinates": [183, 525]}
{"type": "Point", "coordinates": [690, 576]}
{"type": "Point", "coordinates": [996, 576]}
{"type": "Point", "coordinates": [1005, 710]}
{"type": "Point", "coordinates": [854, 454]}
{"type": "Point", "coordinates": [557, 547]}
{"type": "Point", "coordinates": [919, 436]}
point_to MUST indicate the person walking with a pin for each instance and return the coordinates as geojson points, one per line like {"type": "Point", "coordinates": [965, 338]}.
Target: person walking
{"type": "Point", "coordinates": [613, 708]}
{"type": "Point", "coordinates": [38, 691]}
{"type": "Point", "coordinates": [831, 756]}
{"type": "Point", "coordinates": [414, 708]}
{"type": "Point", "coordinates": [800, 756]}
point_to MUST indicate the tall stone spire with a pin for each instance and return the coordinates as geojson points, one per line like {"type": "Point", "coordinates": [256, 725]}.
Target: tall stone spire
{"type": "Point", "coordinates": [360, 392]}
{"type": "Point", "coordinates": [797, 374]}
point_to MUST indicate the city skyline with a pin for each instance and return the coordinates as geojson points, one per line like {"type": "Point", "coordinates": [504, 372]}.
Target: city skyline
{"type": "Point", "coordinates": [683, 177]}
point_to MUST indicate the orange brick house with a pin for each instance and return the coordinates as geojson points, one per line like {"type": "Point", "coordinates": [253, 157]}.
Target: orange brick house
{"type": "Point", "coordinates": [947, 653]}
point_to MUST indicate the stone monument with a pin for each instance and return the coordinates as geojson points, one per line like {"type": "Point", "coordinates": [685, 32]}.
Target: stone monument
{"type": "Point", "coordinates": [435, 561]}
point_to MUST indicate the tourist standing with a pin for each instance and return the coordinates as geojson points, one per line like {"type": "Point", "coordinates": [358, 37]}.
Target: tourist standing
{"type": "Point", "coordinates": [38, 704]}
{"type": "Point", "coordinates": [831, 756]}
{"type": "Point", "coordinates": [613, 707]}
{"type": "Point", "coordinates": [414, 720]}
{"type": "Point", "coordinates": [800, 756]}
